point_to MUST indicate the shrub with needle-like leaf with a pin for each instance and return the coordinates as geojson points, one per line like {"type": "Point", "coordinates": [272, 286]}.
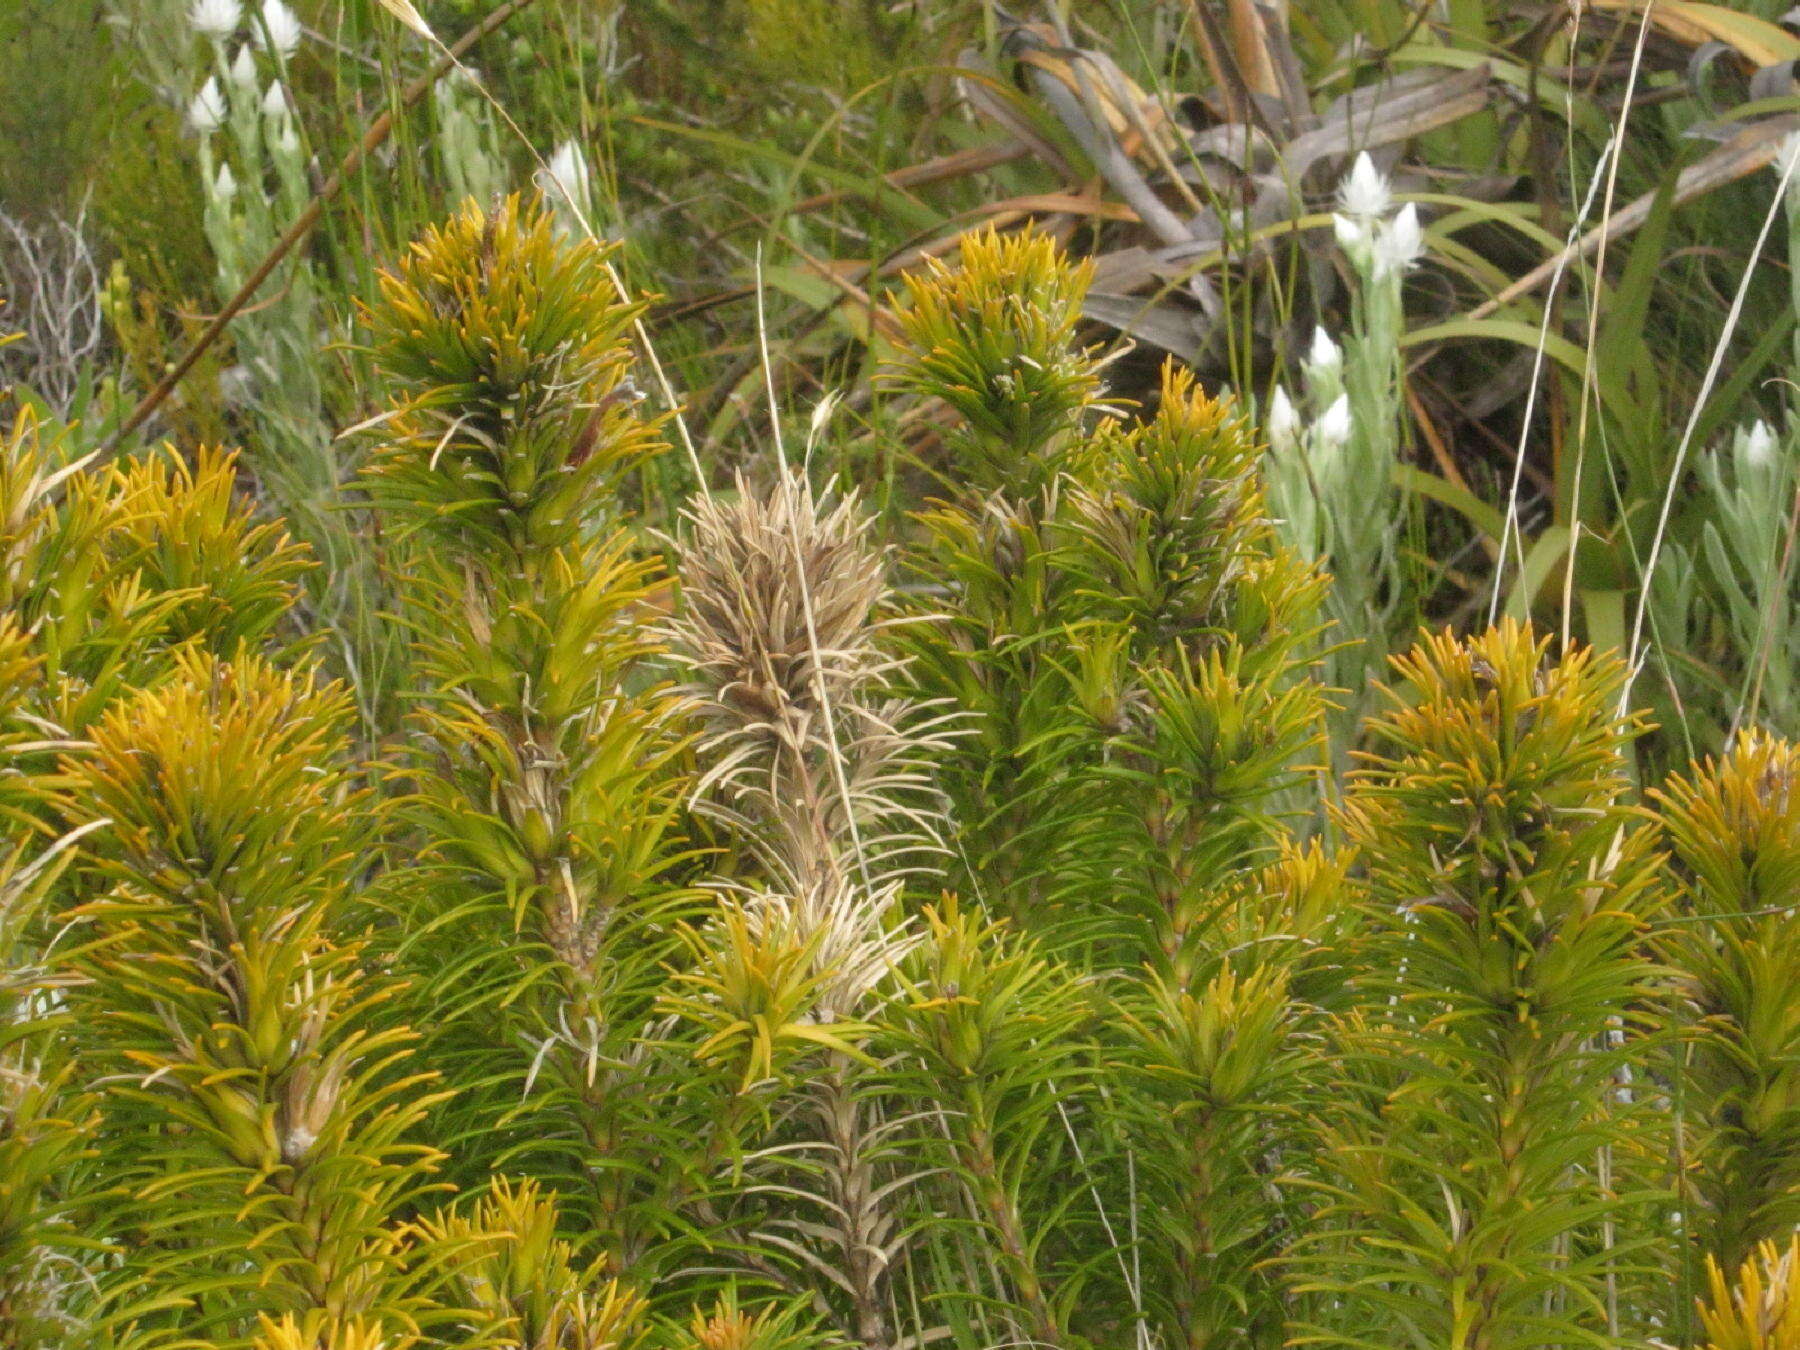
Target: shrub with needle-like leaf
{"type": "Point", "coordinates": [774, 954]}
{"type": "Point", "coordinates": [259, 1097]}
{"type": "Point", "coordinates": [1471, 1197]}
{"type": "Point", "coordinates": [992, 339]}
{"type": "Point", "coordinates": [1130, 642]}
{"type": "Point", "coordinates": [1192, 663]}
{"type": "Point", "coordinates": [1734, 824]}
{"type": "Point", "coordinates": [43, 1122]}
{"type": "Point", "coordinates": [108, 574]}
{"type": "Point", "coordinates": [992, 1037]}
{"type": "Point", "coordinates": [546, 784]}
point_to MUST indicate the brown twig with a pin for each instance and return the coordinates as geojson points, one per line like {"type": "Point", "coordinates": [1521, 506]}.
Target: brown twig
{"type": "Point", "coordinates": [378, 132]}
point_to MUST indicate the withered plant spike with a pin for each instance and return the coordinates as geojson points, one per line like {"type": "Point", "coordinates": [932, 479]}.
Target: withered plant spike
{"type": "Point", "coordinates": [805, 747]}
{"type": "Point", "coordinates": [809, 758]}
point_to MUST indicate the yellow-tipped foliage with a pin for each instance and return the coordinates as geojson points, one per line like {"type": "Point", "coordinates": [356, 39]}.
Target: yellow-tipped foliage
{"type": "Point", "coordinates": [1174, 513]}
{"type": "Point", "coordinates": [1734, 825]}
{"type": "Point", "coordinates": [1503, 980]}
{"type": "Point", "coordinates": [110, 568]}
{"type": "Point", "coordinates": [290, 1333]}
{"type": "Point", "coordinates": [253, 1063]}
{"type": "Point", "coordinates": [505, 341]}
{"type": "Point", "coordinates": [992, 336]}
{"type": "Point", "coordinates": [631, 1004]}
{"type": "Point", "coordinates": [754, 992]}
{"type": "Point", "coordinates": [183, 530]}
{"type": "Point", "coordinates": [726, 1325]}
{"type": "Point", "coordinates": [525, 1284]}
{"type": "Point", "coordinates": [1760, 1309]}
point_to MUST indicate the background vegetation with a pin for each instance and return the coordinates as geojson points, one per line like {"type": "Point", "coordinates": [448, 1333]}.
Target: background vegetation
{"type": "Point", "coordinates": [899, 674]}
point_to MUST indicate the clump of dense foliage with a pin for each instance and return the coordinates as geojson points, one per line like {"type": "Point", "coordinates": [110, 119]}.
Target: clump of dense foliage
{"type": "Point", "coordinates": [762, 935]}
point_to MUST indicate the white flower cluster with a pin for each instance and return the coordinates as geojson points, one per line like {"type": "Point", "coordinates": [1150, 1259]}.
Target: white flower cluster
{"type": "Point", "coordinates": [279, 29]}
{"type": "Point", "coordinates": [274, 27]}
{"type": "Point", "coordinates": [1331, 428]}
{"type": "Point", "coordinates": [206, 113]}
{"type": "Point", "coordinates": [1756, 445]}
{"type": "Point", "coordinates": [1376, 244]}
{"type": "Point", "coordinates": [1307, 455]}
{"type": "Point", "coordinates": [568, 174]}
{"type": "Point", "coordinates": [468, 155]}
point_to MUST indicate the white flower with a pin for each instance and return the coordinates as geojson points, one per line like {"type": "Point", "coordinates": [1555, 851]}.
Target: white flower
{"type": "Point", "coordinates": [568, 172]}
{"type": "Point", "coordinates": [243, 68]}
{"type": "Point", "coordinates": [1334, 425]}
{"type": "Point", "coordinates": [1352, 235]}
{"type": "Point", "coordinates": [1400, 243]}
{"type": "Point", "coordinates": [1364, 193]}
{"type": "Point", "coordinates": [275, 102]}
{"type": "Point", "coordinates": [225, 185]}
{"type": "Point", "coordinates": [215, 19]}
{"type": "Point", "coordinates": [1283, 422]}
{"type": "Point", "coordinates": [207, 111]}
{"type": "Point", "coordinates": [1326, 358]}
{"type": "Point", "coordinates": [279, 29]}
{"type": "Point", "coordinates": [1756, 449]}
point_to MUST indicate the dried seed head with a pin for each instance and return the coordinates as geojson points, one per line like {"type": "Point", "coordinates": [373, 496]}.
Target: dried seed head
{"type": "Point", "coordinates": [808, 756]}
{"type": "Point", "coordinates": [780, 591]}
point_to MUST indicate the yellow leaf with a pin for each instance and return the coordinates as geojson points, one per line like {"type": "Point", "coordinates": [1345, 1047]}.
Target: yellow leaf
{"type": "Point", "coordinates": [1758, 41]}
